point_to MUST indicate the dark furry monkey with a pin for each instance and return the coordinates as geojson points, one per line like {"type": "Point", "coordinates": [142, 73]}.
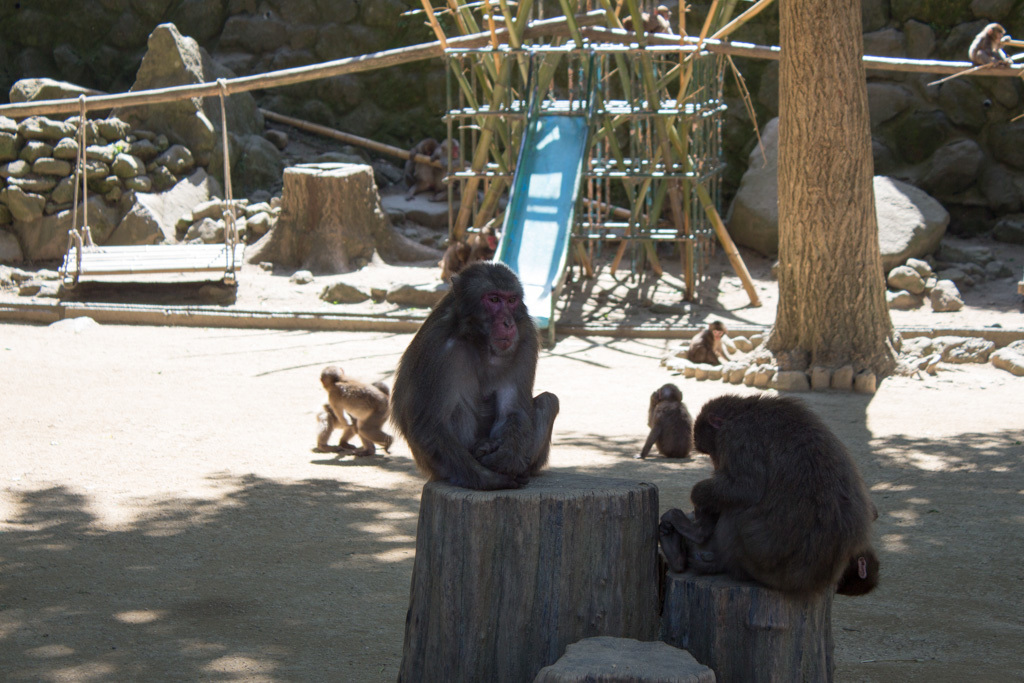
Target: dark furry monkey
{"type": "Point", "coordinates": [986, 48]}
{"type": "Point", "coordinates": [670, 423]}
{"type": "Point", "coordinates": [654, 22]}
{"type": "Point", "coordinates": [707, 347]}
{"type": "Point", "coordinates": [785, 506]}
{"type": "Point", "coordinates": [355, 408]}
{"type": "Point", "coordinates": [422, 177]}
{"type": "Point", "coordinates": [463, 393]}
{"type": "Point", "coordinates": [478, 247]}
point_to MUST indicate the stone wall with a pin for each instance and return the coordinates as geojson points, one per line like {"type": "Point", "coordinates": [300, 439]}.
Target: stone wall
{"type": "Point", "coordinates": [956, 141]}
{"type": "Point", "coordinates": [101, 44]}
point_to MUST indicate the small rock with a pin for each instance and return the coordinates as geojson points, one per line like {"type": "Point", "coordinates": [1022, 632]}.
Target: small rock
{"type": "Point", "coordinates": [842, 378]}
{"type": "Point", "coordinates": [903, 300]}
{"type": "Point", "coordinates": [945, 297]}
{"type": "Point", "coordinates": [301, 277]}
{"type": "Point", "coordinates": [139, 183]}
{"type": "Point", "coordinates": [104, 153]}
{"type": "Point", "coordinates": [865, 383]}
{"type": "Point", "coordinates": [19, 168]}
{"type": "Point", "coordinates": [821, 377]}
{"type": "Point", "coordinates": [178, 160]}
{"type": "Point", "coordinates": [790, 380]}
{"type": "Point", "coordinates": [905, 277]}
{"type": "Point", "coordinates": [127, 166]}
{"type": "Point", "coordinates": [971, 350]}
{"type": "Point", "coordinates": [417, 296]}
{"type": "Point", "coordinates": [66, 149]}
{"type": "Point", "coordinates": [922, 267]}
{"type": "Point", "coordinates": [277, 137]}
{"type": "Point", "coordinates": [341, 293]}
{"type": "Point", "coordinates": [764, 376]}
{"type": "Point", "coordinates": [51, 166]}
{"type": "Point", "coordinates": [743, 344]}
{"type": "Point", "coordinates": [995, 270]}
{"type": "Point", "coordinates": [1010, 358]}
{"type": "Point", "coordinates": [34, 149]}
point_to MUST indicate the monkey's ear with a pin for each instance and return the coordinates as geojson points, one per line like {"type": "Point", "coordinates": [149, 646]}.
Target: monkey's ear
{"type": "Point", "coordinates": [716, 421]}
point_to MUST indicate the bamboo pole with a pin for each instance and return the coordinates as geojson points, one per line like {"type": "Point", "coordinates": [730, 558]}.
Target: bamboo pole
{"type": "Point", "coordinates": [311, 127]}
{"type": "Point", "coordinates": [727, 244]}
{"type": "Point", "coordinates": [747, 15]}
{"type": "Point", "coordinates": [435, 25]}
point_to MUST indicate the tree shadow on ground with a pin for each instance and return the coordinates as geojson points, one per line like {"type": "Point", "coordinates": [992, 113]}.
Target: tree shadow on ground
{"type": "Point", "coordinates": [260, 583]}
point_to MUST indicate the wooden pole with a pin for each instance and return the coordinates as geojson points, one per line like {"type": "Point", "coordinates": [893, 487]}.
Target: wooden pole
{"type": "Point", "coordinates": [311, 127]}
{"type": "Point", "coordinates": [283, 77]}
{"type": "Point", "coordinates": [727, 244]}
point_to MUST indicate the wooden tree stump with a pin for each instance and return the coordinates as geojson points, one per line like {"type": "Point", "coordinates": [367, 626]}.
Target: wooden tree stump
{"type": "Point", "coordinates": [623, 660]}
{"type": "Point", "coordinates": [504, 580]}
{"type": "Point", "coordinates": [746, 632]}
{"type": "Point", "coordinates": [331, 219]}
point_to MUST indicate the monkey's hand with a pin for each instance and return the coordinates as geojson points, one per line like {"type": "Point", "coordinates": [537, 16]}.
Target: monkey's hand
{"type": "Point", "coordinates": [673, 546]}
{"type": "Point", "coordinates": [485, 447]}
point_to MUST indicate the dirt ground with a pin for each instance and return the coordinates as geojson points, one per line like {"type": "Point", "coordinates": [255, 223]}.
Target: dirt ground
{"type": "Point", "coordinates": [164, 518]}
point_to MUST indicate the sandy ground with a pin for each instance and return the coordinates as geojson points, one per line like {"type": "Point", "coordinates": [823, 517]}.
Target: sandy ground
{"type": "Point", "coordinates": [162, 515]}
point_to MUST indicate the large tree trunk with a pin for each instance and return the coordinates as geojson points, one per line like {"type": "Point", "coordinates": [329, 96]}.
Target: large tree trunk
{"type": "Point", "coordinates": [748, 633]}
{"type": "Point", "coordinates": [504, 580]}
{"type": "Point", "coordinates": [831, 287]}
{"type": "Point", "coordinates": [331, 222]}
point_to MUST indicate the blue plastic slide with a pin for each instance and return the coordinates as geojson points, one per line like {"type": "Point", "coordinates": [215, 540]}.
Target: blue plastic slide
{"type": "Point", "coordinates": [541, 208]}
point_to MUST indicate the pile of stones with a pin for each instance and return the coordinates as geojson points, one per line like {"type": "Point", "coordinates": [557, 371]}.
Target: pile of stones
{"type": "Point", "coordinates": [205, 223]}
{"type": "Point", "coordinates": [38, 158]}
{"type": "Point", "coordinates": [753, 365]}
{"type": "Point", "coordinates": [940, 279]}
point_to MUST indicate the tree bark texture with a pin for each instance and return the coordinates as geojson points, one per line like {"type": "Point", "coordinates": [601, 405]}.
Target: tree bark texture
{"type": "Point", "coordinates": [831, 287]}
{"type": "Point", "coordinates": [503, 581]}
{"type": "Point", "coordinates": [331, 218]}
{"type": "Point", "coordinates": [748, 633]}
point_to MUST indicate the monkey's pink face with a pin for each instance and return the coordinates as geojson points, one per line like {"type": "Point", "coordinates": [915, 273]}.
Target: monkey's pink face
{"type": "Point", "coordinates": [501, 306]}
{"type": "Point", "coordinates": [718, 333]}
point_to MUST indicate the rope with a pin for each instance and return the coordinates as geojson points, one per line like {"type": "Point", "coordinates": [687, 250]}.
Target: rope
{"type": "Point", "coordinates": [230, 227]}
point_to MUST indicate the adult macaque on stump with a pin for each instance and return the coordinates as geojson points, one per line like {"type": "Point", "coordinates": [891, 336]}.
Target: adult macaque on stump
{"type": "Point", "coordinates": [463, 394]}
{"type": "Point", "coordinates": [785, 506]}
{"type": "Point", "coordinates": [504, 581]}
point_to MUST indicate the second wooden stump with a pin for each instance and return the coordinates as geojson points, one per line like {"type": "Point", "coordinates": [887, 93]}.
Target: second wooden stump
{"type": "Point", "coordinates": [504, 581]}
{"type": "Point", "coordinates": [748, 633]}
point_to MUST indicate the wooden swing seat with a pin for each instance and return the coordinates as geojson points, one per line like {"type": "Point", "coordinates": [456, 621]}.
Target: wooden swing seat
{"type": "Point", "coordinates": [153, 259]}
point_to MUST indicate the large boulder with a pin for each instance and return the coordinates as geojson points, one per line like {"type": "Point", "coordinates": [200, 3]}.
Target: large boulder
{"type": "Point", "coordinates": [32, 89]}
{"type": "Point", "coordinates": [753, 218]}
{"type": "Point", "coordinates": [910, 222]}
{"type": "Point", "coordinates": [173, 59]}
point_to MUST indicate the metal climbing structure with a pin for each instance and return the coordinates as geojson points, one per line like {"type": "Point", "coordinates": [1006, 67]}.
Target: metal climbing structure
{"type": "Point", "coordinates": [650, 168]}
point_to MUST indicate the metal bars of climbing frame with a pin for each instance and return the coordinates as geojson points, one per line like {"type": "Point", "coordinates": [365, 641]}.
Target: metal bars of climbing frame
{"type": "Point", "coordinates": [655, 128]}
{"type": "Point", "coordinates": [626, 175]}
